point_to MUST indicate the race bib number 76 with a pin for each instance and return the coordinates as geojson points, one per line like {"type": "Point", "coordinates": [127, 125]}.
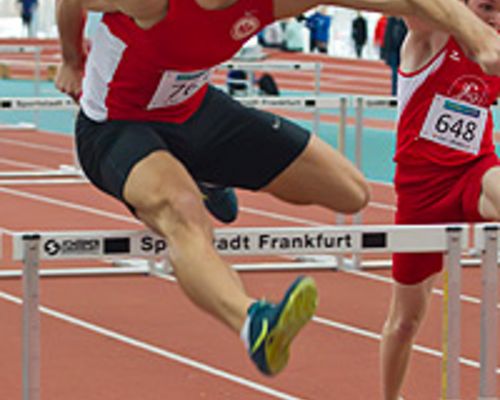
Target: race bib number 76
{"type": "Point", "coordinates": [455, 124]}
{"type": "Point", "coordinates": [176, 87]}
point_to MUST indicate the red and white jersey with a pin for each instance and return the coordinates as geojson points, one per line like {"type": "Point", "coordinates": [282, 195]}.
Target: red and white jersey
{"type": "Point", "coordinates": [161, 73]}
{"type": "Point", "coordinates": [444, 110]}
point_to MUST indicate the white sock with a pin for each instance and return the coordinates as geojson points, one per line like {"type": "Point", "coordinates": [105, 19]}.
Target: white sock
{"type": "Point", "coordinates": [245, 333]}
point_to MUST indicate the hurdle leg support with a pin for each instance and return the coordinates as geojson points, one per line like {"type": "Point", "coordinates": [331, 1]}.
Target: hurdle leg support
{"type": "Point", "coordinates": [31, 319]}
{"type": "Point", "coordinates": [489, 316]}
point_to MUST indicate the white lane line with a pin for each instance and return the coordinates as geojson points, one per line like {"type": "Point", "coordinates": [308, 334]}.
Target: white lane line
{"type": "Point", "coordinates": [156, 350]}
{"type": "Point", "coordinates": [380, 278]}
{"type": "Point", "coordinates": [376, 336]}
{"type": "Point", "coordinates": [71, 205]}
{"type": "Point", "coordinates": [42, 147]}
{"type": "Point", "coordinates": [281, 217]}
{"type": "Point", "coordinates": [383, 206]}
{"type": "Point", "coordinates": [22, 164]}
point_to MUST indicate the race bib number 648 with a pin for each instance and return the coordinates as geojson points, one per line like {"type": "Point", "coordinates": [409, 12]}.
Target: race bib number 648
{"type": "Point", "coordinates": [455, 124]}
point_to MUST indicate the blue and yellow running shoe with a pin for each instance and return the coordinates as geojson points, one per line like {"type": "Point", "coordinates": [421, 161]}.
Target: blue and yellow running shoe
{"type": "Point", "coordinates": [274, 326]}
{"type": "Point", "coordinates": [220, 201]}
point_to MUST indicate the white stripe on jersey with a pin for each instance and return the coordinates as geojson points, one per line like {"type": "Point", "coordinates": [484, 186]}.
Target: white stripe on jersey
{"type": "Point", "coordinates": [101, 65]}
{"type": "Point", "coordinates": [407, 85]}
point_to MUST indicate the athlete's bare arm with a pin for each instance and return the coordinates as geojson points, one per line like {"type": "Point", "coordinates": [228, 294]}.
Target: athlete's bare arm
{"type": "Point", "coordinates": [70, 17]}
{"type": "Point", "coordinates": [421, 44]}
{"type": "Point", "coordinates": [453, 16]}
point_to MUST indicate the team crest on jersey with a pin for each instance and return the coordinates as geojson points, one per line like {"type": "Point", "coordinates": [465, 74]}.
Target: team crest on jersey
{"type": "Point", "coordinates": [455, 55]}
{"type": "Point", "coordinates": [245, 27]}
{"type": "Point", "coordinates": [471, 89]}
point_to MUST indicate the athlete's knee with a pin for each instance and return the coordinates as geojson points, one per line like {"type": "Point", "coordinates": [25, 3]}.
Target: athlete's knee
{"type": "Point", "coordinates": [402, 328]}
{"type": "Point", "coordinates": [174, 213]}
{"type": "Point", "coordinates": [360, 195]}
{"type": "Point", "coordinates": [364, 193]}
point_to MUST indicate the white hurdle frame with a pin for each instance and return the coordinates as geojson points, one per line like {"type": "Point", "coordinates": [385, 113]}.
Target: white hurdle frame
{"type": "Point", "coordinates": [37, 53]}
{"type": "Point", "coordinates": [450, 384]}
{"type": "Point", "coordinates": [65, 174]}
{"type": "Point", "coordinates": [486, 240]}
{"type": "Point", "coordinates": [35, 247]}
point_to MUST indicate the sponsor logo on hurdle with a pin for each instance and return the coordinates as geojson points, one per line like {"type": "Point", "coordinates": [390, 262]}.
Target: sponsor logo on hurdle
{"type": "Point", "coordinates": [53, 247]}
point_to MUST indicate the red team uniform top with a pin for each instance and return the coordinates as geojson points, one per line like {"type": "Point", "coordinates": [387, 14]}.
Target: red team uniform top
{"type": "Point", "coordinates": [162, 73]}
{"type": "Point", "coordinates": [444, 110]}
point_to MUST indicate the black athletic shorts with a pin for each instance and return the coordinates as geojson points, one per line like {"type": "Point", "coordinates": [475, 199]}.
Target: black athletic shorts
{"type": "Point", "coordinates": [222, 143]}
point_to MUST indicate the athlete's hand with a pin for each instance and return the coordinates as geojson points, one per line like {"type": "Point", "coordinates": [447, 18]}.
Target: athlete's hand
{"type": "Point", "coordinates": [69, 80]}
{"type": "Point", "coordinates": [488, 54]}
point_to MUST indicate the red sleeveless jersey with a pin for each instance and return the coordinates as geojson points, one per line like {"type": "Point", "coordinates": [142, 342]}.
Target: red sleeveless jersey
{"type": "Point", "coordinates": [443, 107]}
{"type": "Point", "coordinates": [161, 73]}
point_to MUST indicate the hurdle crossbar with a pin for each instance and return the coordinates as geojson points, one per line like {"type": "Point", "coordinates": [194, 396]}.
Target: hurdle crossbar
{"type": "Point", "coordinates": [37, 103]}
{"type": "Point", "coordinates": [270, 66]}
{"type": "Point", "coordinates": [63, 103]}
{"type": "Point", "coordinates": [312, 102]}
{"type": "Point", "coordinates": [8, 48]}
{"type": "Point", "coordinates": [246, 241]}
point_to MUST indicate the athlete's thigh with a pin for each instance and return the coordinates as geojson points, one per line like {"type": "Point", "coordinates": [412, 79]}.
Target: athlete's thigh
{"type": "Point", "coordinates": [489, 201]}
{"type": "Point", "coordinates": [409, 302]}
{"type": "Point", "coordinates": [320, 175]}
{"type": "Point", "coordinates": [160, 179]}
{"type": "Point", "coordinates": [241, 146]}
{"type": "Point", "coordinates": [113, 152]}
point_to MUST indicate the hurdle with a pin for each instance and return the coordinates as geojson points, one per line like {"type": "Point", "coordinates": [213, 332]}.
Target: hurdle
{"type": "Point", "coordinates": [253, 66]}
{"type": "Point", "coordinates": [41, 104]}
{"type": "Point", "coordinates": [35, 248]}
{"type": "Point", "coordinates": [36, 50]}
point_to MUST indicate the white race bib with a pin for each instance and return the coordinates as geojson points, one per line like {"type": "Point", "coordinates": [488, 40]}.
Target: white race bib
{"type": "Point", "coordinates": [455, 124]}
{"type": "Point", "coordinates": [176, 87]}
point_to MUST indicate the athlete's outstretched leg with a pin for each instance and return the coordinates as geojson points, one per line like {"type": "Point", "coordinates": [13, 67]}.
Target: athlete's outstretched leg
{"type": "Point", "coordinates": [321, 175]}
{"type": "Point", "coordinates": [407, 309]}
{"type": "Point", "coordinates": [166, 198]}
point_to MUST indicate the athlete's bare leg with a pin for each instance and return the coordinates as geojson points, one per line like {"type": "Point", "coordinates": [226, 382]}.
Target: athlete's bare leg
{"type": "Point", "coordinates": [322, 176]}
{"type": "Point", "coordinates": [407, 309]}
{"type": "Point", "coordinates": [168, 201]}
{"type": "Point", "coordinates": [489, 202]}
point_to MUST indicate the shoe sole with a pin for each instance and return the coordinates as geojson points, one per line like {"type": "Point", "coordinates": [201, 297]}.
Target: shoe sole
{"type": "Point", "coordinates": [298, 310]}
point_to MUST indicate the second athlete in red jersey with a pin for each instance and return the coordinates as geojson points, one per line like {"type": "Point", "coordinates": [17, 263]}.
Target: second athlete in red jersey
{"type": "Point", "coordinates": [445, 115]}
